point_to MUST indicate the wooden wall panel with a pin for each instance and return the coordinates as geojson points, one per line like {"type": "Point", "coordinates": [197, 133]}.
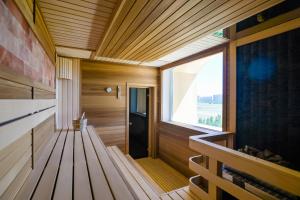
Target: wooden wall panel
{"type": "Point", "coordinates": [174, 148]}
{"type": "Point", "coordinates": [105, 111]}
{"type": "Point", "coordinates": [43, 94]}
{"type": "Point", "coordinates": [12, 90]}
{"type": "Point", "coordinates": [41, 135]}
{"type": "Point", "coordinates": [68, 92]}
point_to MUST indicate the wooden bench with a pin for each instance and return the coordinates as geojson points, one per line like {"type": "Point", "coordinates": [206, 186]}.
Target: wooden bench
{"type": "Point", "coordinates": [75, 165]}
{"type": "Point", "coordinates": [142, 185]}
{"type": "Point", "coordinates": [137, 182]}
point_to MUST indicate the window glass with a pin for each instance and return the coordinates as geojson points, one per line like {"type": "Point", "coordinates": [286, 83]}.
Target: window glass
{"type": "Point", "coordinates": [193, 92]}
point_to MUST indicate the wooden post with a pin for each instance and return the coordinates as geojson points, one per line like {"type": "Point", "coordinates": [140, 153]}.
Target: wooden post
{"type": "Point", "coordinates": [214, 167]}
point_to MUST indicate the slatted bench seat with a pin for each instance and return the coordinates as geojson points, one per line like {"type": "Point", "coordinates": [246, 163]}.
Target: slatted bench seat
{"type": "Point", "coordinates": [75, 165]}
{"type": "Point", "coordinates": [179, 194]}
{"type": "Point", "coordinates": [137, 181]}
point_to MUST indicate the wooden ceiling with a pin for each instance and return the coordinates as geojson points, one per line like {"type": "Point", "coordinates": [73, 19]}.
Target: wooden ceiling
{"type": "Point", "coordinates": [141, 30]}
{"type": "Point", "coordinates": [77, 23]}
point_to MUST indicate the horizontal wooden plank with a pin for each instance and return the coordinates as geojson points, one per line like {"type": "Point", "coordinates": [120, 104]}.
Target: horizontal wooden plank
{"type": "Point", "coordinates": [271, 173]}
{"type": "Point", "coordinates": [46, 184]}
{"type": "Point", "coordinates": [97, 175]}
{"type": "Point", "coordinates": [117, 185]}
{"type": "Point", "coordinates": [12, 131]}
{"type": "Point", "coordinates": [43, 94]}
{"type": "Point", "coordinates": [13, 172]}
{"type": "Point", "coordinates": [12, 109]}
{"type": "Point", "coordinates": [13, 90]}
{"type": "Point", "coordinates": [82, 187]}
{"type": "Point", "coordinates": [28, 187]}
{"type": "Point", "coordinates": [64, 184]}
{"type": "Point", "coordinates": [15, 186]}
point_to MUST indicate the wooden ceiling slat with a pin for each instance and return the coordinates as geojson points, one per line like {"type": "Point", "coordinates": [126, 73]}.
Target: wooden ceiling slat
{"type": "Point", "coordinates": [60, 24]}
{"type": "Point", "coordinates": [198, 32]}
{"type": "Point", "coordinates": [62, 28]}
{"type": "Point", "coordinates": [129, 36]}
{"type": "Point", "coordinates": [201, 9]}
{"type": "Point", "coordinates": [72, 33]}
{"type": "Point", "coordinates": [82, 38]}
{"type": "Point", "coordinates": [90, 45]}
{"type": "Point", "coordinates": [85, 4]}
{"type": "Point", "coordinates": [75, 17]}
{"type": "Point", "coordinates": [210, 18]}
{"type": "Point", "coordinates": [120, 15]}
{"type": "Point", "coordinates": [130, 17]}
{"type": "Point", "coordinates": [77, 8]}
{"type": "Point", "coordinates": [137, 22]}
{"type": "Point", "coordinates": [178, 4]}
{"type": "Point", "coordinates": [45, 5]}
{"type": "Point", "coordinates": [77, 46]}
{"type": "Point", "coordinates": [108, 4]}
{"type": "Point", "coordinates": [73, 21]}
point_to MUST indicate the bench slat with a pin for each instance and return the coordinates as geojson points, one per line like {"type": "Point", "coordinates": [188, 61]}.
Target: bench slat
{"type": "Point", "coordinates": [29, 185]}
{"type": "Point", "coordinates": [64, 185]}
{"type": "Point", "coordinates": [184, 195]}
{"type": "Point", "coordinates": [138, 190]}
{"type": "Point", "coordinates": [117, 184]}
{"type": "Point", "coordinates": [165, 197]}
{"type": "Point", "coordinates": [100, 186]}
{"type": "Point", "coordinates": [82, 188]}
{"type": "Point", "coordinates": [46, 185]}
{"type": "Point", "coordinates": [174, 195]}
{"type": "Point", "coordinates": [141, 181]}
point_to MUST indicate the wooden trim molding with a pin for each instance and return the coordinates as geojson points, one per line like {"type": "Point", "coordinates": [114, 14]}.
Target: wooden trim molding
{"type": "Point", "coordinates": [281, 28]}
{"type": "Point", "coordinates": [196, 56]}
{"type": "Point", "coordinates": [281, 19]}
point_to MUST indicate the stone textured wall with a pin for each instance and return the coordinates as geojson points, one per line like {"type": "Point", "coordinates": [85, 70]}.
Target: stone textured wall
{"type": "Point", "coordinates": [20, 50]}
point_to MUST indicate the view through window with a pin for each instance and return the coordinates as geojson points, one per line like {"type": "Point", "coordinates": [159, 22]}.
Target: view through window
{"type": "Point", "coordinates": [193, 92]}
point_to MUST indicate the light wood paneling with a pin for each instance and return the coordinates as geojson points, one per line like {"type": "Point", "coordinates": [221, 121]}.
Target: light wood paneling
{"type": "Point", "coordinates": [41, 135]}
{"type": "Point", "coordinates": [12, 90]}
{"type": "Point", "coordinates": [103, 110]}
{"type": "Point", "coordinates": [43, 94]}
{"type": "Point", "coordinates": [148, 30]}
{"type": "Point", "coordinates": [67, 20]}
{"type": "Point", "coordinates": [68, 92]}
{"type": "Point", "coordinates": [174, 146]}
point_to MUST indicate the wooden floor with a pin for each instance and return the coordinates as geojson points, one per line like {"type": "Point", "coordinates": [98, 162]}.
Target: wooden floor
{"type": "Point", "coordinates": [163, 174]}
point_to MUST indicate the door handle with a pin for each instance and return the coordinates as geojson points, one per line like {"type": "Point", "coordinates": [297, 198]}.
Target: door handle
{"type": "Point", "coordinates": [130, 123]}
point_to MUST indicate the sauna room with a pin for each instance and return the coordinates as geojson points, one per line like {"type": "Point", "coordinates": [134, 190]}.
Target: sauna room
{"type": "Point", "coordinates": [150, 99]}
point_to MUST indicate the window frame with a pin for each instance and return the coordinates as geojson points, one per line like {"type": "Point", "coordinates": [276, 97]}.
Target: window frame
{"type": "Point", "coordinates": [218, 49]}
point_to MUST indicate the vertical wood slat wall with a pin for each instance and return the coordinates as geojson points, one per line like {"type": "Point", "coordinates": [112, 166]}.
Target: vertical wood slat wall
{"type": "Point", "coordinates": [68, 94]}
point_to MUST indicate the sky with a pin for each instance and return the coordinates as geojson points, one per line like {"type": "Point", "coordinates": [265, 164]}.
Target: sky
{"type": "Point", "coordinates": [210, 76]}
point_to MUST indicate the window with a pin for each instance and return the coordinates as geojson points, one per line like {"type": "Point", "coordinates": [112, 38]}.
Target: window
{"type": "Point", "coordinates": [193, 92]}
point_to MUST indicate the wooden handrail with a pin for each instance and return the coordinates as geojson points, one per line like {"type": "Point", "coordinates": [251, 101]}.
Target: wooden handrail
{"type": "Point", "coordinates": [273, 174]}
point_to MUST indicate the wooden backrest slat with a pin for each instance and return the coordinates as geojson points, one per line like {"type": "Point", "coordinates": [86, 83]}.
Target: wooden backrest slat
{"type": "Point", "coordinates": [64, 184]}
{"type": "Point", "coordinates": [131, 181]}
{"type": "Point", "coordinates": [99, 183]}
{"type": "Point", "coordinates": [138, 177]}
{"type": "Point", "coordinates": [117, 184]}
{"type": "Point", "coordinates": [29, 185]}
{"type": "Point", "coordinates": [82, 188]}
{"type": "Point", "coordinates": [46, 184]}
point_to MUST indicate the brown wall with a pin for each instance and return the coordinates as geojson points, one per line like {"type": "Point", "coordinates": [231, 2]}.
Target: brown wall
{"type": "Point", "coordinates": [103, 110]}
